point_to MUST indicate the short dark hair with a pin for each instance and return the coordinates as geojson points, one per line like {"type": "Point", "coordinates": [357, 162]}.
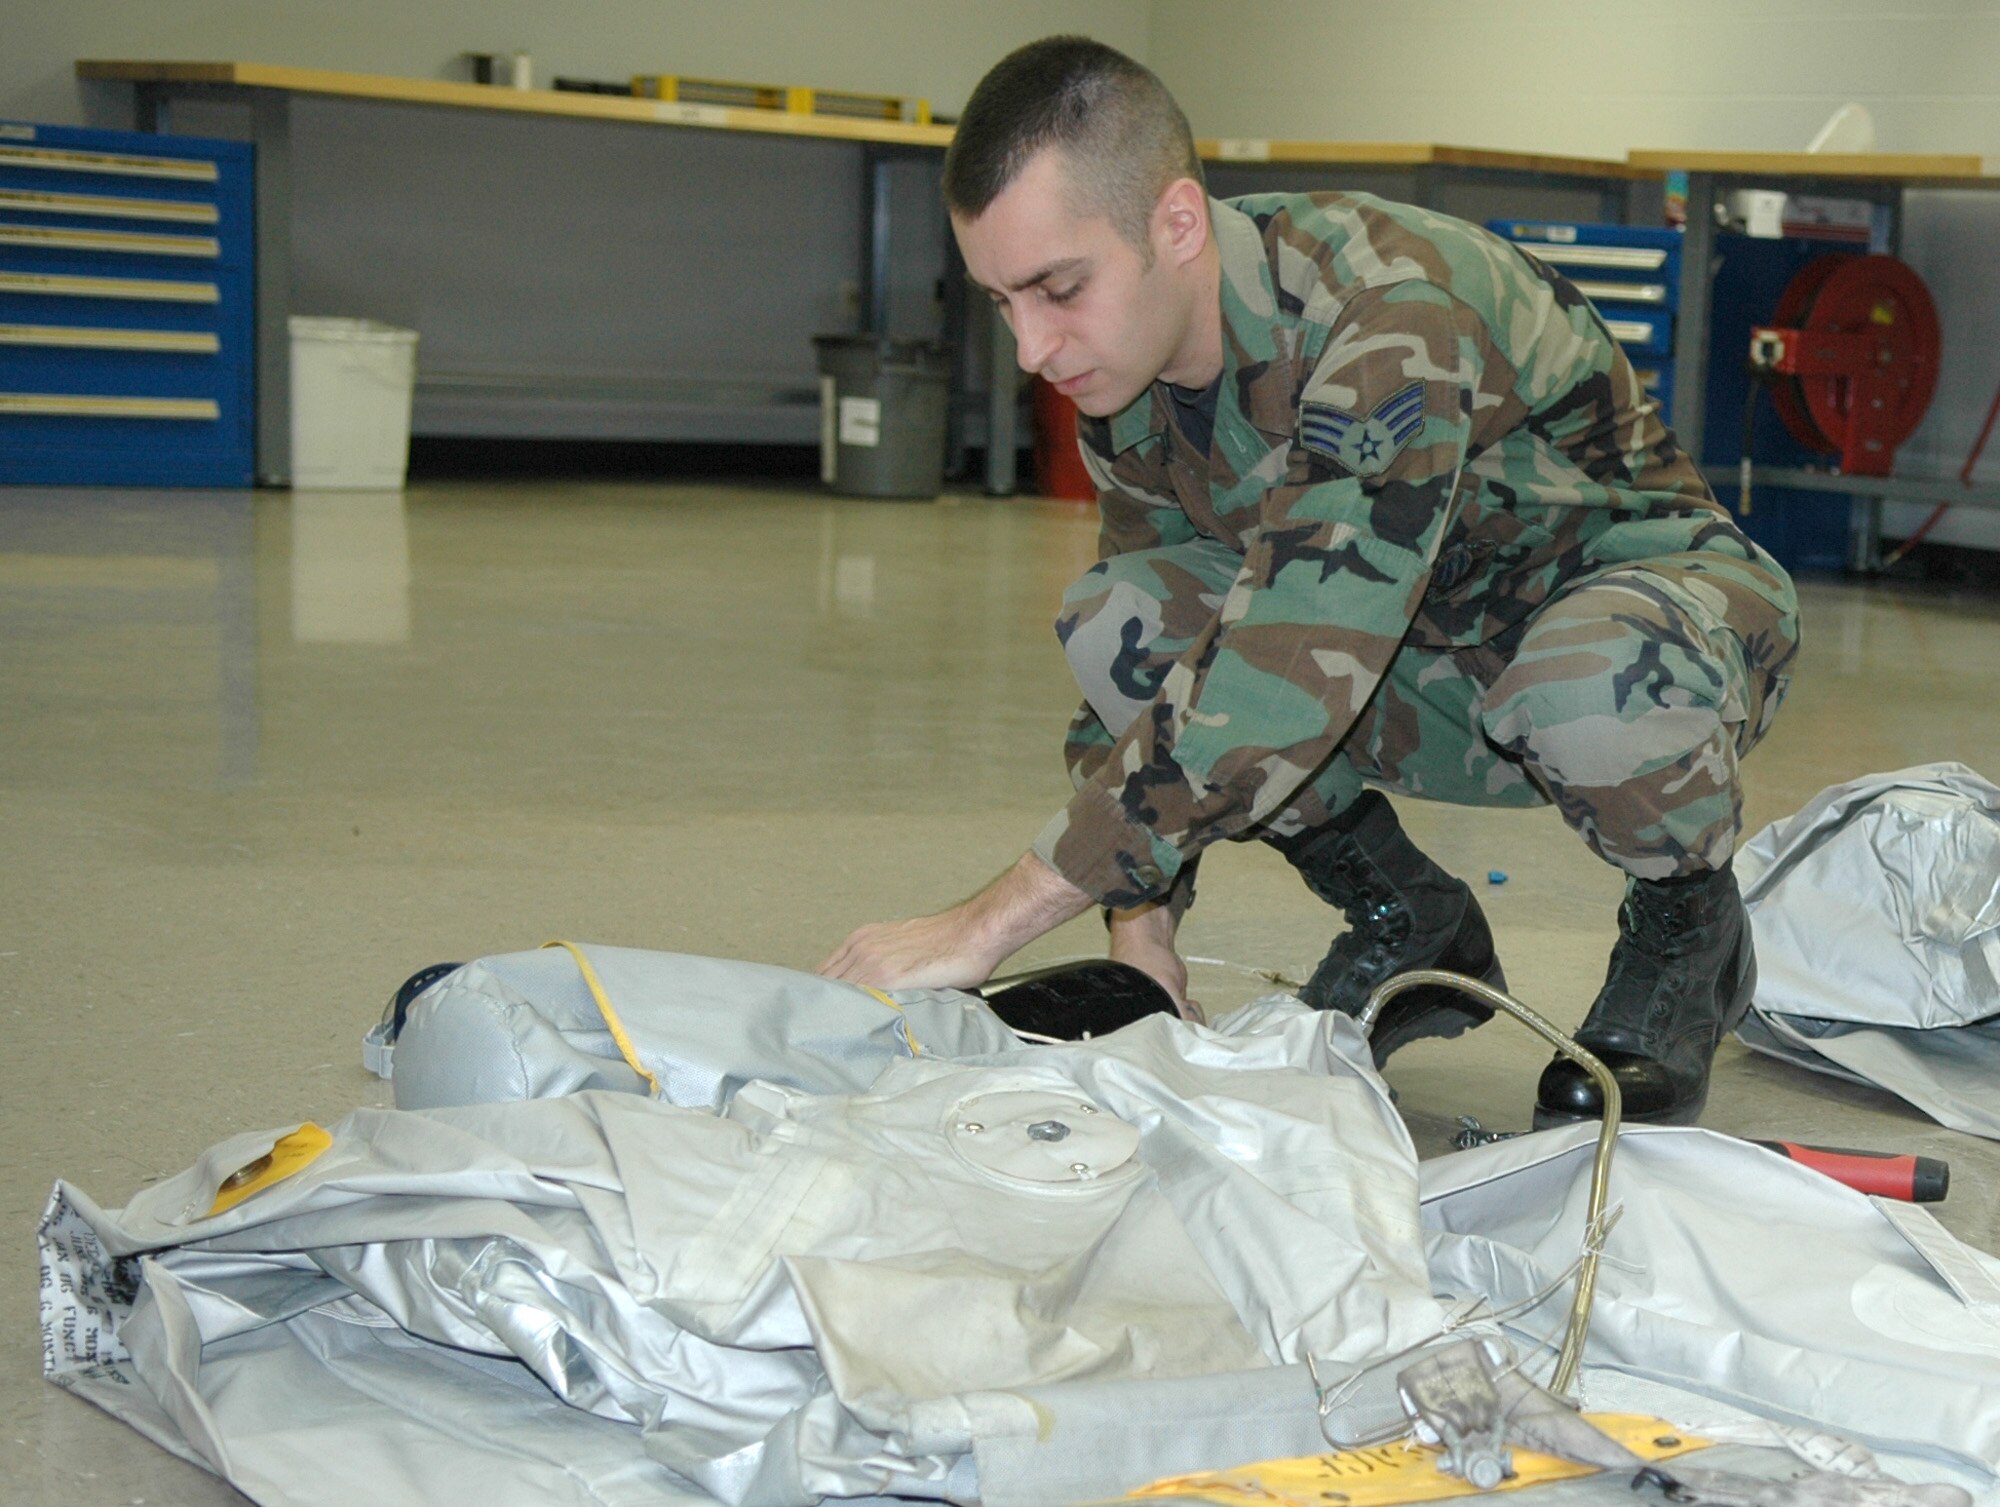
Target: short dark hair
{"type": "Point", "coordinates": [1123, 137]}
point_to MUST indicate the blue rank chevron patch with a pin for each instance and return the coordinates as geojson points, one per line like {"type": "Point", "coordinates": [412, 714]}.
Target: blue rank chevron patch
{"type": "Point", "coordinates": [1366, 446]}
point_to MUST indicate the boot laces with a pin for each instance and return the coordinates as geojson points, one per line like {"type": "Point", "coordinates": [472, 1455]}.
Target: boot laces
{"type": "Point", "coordinates": [1375, 938]}
{"type": "Point", "coordinates": [1661, 921]}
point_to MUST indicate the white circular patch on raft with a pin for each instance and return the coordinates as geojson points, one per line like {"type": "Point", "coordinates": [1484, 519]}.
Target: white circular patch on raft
{"type": "Point", "coordinates": [1040, 1136]}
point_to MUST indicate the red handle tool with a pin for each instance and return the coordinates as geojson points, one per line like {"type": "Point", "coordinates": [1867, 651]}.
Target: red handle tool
{"type": "Point", "coordinates": [1886, 1174]}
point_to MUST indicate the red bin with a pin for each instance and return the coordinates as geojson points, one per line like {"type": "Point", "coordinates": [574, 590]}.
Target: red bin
{"type": "Point", "coordinates": [1059, 468]}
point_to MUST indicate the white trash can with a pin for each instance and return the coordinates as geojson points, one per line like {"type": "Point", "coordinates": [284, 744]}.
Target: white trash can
{"type": "Point", "coordinates": [351, 385]}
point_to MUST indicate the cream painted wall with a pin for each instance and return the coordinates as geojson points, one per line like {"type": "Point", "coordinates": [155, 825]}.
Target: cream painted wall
{"type": "Point", "coordinates": [1595, 77]}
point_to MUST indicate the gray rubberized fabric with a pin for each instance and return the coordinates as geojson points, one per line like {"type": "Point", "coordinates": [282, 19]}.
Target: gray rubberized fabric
{"type": "Point", "coordinates": [820, 1293]}
{"type": "Point", "coordinates": [1739, 1276]}
{"type": "Point", "coordinates": [1876, 913]}
{"type": "Point", "coordinates": [1738, 1488]}
{"type": "Point", "coordinates": [1084, 1441]}
{"type": "Point", "coordinates": [524, 1025]}
{"type": "Point", "coordinates": [1951, 1074]}
{"type": "Point", "coordinates": [1606, 1391]}
{"type": "Point", "coordinates": [789, 1301]}
{"type": "Point", "coordinates": [1480, 1407]}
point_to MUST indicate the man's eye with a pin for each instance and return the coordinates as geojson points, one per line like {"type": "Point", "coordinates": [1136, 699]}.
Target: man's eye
{"type": "Point", "coordinates": [1063, 295]}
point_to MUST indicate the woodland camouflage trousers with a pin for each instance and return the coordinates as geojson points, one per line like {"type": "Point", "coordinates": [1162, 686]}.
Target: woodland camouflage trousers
{"type": "Point", "coordinates": [1626, 700]}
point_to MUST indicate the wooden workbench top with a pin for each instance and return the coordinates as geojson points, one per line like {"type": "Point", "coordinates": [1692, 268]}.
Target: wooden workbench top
{"type": "Point", "coordinates": [556, 102]}
{"type": "Point", "coordinates": [564, 103]}
{"type": "Point", "coordinates": [1413, 154]}
{"type": "Point", "coordinates": [1908, 167]}
{"type": "Point", "coordinates": [1928, 168]}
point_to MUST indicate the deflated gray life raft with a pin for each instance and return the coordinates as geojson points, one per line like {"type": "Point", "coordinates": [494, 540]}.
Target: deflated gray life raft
{"type": "Point", "coordinates": [794, 1242]}
{"type": "Point", "coordinates": [1876, 912]}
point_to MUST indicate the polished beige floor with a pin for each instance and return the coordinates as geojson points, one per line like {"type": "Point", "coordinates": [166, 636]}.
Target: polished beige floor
{"type": "Point", "coordinates": [262, 757]}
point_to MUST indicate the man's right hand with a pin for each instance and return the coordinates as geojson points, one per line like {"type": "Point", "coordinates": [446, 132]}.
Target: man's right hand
{"type": "Point", "coordinates": [1144, 939]}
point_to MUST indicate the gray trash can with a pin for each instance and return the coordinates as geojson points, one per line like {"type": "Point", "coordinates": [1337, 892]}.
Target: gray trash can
{"type": "Point", "coordinates": [882, 415]}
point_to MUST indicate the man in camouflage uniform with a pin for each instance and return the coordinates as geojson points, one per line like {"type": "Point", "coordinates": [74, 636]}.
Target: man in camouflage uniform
{"type": "Point", "coordinates": [1383, 505]}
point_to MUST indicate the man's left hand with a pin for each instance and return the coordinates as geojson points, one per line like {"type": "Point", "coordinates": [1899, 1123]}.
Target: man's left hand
{"type": "Point", "coordinates": [959, 948]}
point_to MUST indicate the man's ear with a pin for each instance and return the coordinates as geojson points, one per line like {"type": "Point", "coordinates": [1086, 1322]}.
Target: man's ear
{"type": "Point", "coordinates": [1180, 221]}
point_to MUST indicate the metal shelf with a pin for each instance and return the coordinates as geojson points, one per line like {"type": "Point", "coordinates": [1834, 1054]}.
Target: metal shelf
{"type": "Point", "coordinates": [1922, 489]}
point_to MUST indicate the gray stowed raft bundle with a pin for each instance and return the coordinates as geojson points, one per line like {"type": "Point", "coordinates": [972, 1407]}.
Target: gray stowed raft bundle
{"type": "Point", "coordinates": [1876, 911]}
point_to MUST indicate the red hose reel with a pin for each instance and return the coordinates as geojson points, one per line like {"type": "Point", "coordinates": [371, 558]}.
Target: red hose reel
{"type": "Point", "coordinates": [1851, 356]}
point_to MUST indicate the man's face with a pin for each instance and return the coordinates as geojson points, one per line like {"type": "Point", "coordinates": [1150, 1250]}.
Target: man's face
{"type": "Point", "coordinates": [1089, 312]}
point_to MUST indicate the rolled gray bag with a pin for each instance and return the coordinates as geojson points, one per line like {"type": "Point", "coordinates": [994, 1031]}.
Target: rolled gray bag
{"type": "Point", "coordinates": [689, 1030]}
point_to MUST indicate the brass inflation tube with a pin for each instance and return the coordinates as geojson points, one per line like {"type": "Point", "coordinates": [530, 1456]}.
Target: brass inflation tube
{"type": "Point", "coordinates": [1571, 1354]}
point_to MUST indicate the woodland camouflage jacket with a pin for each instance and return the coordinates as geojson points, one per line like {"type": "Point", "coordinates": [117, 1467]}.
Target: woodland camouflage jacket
{"type": "Point", "coordinates": [1421, 435]}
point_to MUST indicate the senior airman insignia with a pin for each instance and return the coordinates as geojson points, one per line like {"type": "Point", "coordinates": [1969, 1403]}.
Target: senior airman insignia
{"type": "Point", "coordinates": [1368, 445]}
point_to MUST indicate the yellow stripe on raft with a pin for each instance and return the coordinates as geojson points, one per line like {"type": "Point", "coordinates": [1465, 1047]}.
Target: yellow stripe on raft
{"type": "Point", "coordinates": [908, 1040]}
{"type": "Point", "coordinates": [625, 1048]}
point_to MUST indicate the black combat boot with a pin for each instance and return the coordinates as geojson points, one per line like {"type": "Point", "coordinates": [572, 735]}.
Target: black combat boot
{"type": "Point", "coordinates": [1403, 912]}
{"type": "Point", "coordinates": [1680, 979]}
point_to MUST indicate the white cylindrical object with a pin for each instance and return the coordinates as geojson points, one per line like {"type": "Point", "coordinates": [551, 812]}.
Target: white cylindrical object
{"type": "Point", "coordinates": [1760, 211]}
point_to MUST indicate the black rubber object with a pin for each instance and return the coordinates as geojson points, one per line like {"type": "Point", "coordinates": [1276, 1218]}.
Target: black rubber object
{"type": "Point", "coordinates": [415, 984]}
{"type": "Point", "coordinates": [1075, 1000]}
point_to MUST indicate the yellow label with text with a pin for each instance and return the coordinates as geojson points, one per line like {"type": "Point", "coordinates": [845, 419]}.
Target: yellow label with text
{"type": "Point", "coordinates": [1389, 1475]}
{"type": "Point", "coordinates": [291, 1153]}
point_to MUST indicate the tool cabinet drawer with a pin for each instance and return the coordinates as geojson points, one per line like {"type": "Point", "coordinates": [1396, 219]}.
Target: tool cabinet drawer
{"type": "Point", "coordinates": [126, 309]}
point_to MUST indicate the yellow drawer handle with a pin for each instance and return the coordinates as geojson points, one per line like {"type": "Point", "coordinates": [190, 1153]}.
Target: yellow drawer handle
{"type": "Point", "coordinates": [90, 338]}
{"type": "Point", "coordinates": [145, 289]}
{"type": "Point", "coordinates": [77, 406]}
{"type": "Point", "coordinates": [30, 201]}
{"type": "Point", "coordinates": [132, 242]}
{"type": "Point", "coordinates": [60, 161]}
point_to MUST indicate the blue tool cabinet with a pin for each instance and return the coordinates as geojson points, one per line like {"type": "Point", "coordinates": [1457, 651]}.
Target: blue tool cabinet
{"type": "Point", "coordinates": [1632, 276]}
{"type": "Point", "coordinates": [126, 309]}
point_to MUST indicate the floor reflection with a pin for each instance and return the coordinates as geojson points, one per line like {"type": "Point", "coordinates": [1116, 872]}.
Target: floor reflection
{"type": "Point", "coordinates": [133, 611]}
{"type": "Point", "coordinates": [350, 568]}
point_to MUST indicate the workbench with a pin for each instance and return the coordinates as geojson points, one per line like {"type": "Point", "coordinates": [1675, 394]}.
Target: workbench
{"type": "Point", "coordinates": [1882, 178]}
{"type": "Point", "coordinates": [1470, 182]}
{"type": "Point", "coordinates": [269, 92]}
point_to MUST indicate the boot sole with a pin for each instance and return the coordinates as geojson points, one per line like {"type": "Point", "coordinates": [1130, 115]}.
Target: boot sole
{"type": "Point", "coordinates": [1687, 1114]}
{"type": "Point", "coordinates": [1445, 1022]}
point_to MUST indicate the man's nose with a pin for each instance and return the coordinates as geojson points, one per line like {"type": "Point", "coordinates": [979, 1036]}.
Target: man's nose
{"type": "Point", "coordinates": [1035, 341]}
